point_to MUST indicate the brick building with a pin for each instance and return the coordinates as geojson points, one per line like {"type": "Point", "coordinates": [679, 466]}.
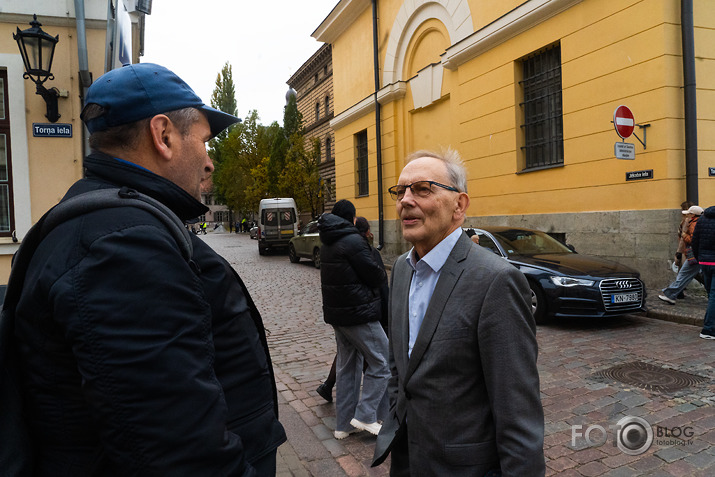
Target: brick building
{"type": "Point", "coordinates": [313, 85]}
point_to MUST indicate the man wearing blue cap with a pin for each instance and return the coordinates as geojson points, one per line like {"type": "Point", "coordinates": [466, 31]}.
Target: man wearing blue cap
{"type": "Point", "coordinates": [135, 360]}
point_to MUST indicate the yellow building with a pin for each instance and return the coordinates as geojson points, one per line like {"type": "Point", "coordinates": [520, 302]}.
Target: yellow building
{"type": "Point", "coordinates": [40, 159]}
{"type": "Point", "coordinates": [526, 91]}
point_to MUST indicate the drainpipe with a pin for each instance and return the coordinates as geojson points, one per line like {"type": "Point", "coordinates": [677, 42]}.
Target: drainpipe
{"type": "Point", "coordinates": [691, 117]}
{"type": "Point", "coordinates": [109, 48]}
{"type": "Point", "coordinates": [378, 132]}
{"type": "Point", "coordinates": [85, 76]}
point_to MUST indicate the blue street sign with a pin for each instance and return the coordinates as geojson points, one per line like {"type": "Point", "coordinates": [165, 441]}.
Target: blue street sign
{"type": "Point", "coordinates": [51, 130]}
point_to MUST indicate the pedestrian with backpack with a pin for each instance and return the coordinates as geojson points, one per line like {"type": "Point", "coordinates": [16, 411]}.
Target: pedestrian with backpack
{"type": "Point", "coordinates": [135, 349]}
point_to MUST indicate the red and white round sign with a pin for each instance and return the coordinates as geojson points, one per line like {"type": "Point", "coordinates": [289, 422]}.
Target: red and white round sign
{"type": "Point", "coordinates": [623, 121]}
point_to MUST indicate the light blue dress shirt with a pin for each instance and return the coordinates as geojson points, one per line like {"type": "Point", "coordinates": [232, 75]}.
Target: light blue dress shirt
{"type": "Point", "coordinates": [424, 279]}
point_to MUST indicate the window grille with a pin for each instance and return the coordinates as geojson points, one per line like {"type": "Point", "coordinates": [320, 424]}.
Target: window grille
{"type": "Point", "coordinates": [542, 109]}
{"type": "Point", "coordinates": [362, 176]}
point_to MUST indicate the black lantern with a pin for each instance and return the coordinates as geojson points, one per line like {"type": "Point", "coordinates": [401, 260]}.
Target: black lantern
{"type": "Point", "coordinates": [37, 49]}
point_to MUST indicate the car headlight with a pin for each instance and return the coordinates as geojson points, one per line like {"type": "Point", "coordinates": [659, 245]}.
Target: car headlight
{"type": "Point", "coordinates": [571, 282]}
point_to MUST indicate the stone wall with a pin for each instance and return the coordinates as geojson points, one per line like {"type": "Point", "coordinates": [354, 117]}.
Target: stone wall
{"type": "Point", "coordinates": [643, 239]}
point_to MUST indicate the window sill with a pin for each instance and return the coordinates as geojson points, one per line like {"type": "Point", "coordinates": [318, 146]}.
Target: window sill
{"type": "Point", "coordinates": [540, 168]}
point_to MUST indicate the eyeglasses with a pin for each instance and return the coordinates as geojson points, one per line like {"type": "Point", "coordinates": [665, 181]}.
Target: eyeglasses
{"type": "Point", "coordinates": [419, 188]}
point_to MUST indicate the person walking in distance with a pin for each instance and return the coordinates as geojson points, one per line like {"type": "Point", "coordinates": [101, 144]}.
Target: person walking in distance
{"type": "Point", "coordinates": [350, 279]}
{"type": "Point", "coordinates": [690, 267]}
{"type": "Point", "coordinates": [703, 245]}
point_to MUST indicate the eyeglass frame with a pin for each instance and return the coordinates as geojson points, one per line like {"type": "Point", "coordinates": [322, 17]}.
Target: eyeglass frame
{"type": "Point", "coordinates": [395, 195]}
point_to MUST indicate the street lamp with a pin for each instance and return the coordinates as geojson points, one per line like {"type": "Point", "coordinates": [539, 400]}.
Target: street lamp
{"type": "Point", "coordinates": [37, 49]}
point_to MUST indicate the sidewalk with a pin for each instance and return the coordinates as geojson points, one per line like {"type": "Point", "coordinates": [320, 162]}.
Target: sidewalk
{"type": "Point", "coordinates": [689, 311]}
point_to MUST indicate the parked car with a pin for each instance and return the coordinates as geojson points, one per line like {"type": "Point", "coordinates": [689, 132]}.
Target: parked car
{"type": "Point", "coordinates": [306, 244]}
{"type": "Point", "coordinates": [253, 232]}
{"type": "Point", "coordinates": [565, 283]}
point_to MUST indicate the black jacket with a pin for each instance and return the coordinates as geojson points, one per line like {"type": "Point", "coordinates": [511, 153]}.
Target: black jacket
{"type": "Point", "coordinates": [133, 363]}
{"type": "Point", "coordinates": [350, 276]}
{"type": "Point", "coordinates": [703, 243]}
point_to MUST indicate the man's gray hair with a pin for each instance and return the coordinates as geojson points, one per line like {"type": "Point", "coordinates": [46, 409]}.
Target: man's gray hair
{"type": "Point", "coordinates": [456, 172]}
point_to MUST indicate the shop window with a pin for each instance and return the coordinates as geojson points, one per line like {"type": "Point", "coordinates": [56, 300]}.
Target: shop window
{"type": "Point", "coordinates": [6, 207]}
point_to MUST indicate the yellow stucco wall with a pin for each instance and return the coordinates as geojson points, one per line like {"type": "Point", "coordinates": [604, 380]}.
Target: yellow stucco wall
{"type": "Point", "coordinates": [52, 164]}
{"type": "Point", "coordinates": [612, 53]}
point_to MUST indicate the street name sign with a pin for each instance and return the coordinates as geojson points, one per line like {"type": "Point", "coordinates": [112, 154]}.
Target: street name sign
{"type": "Point", "coordinates": [51, 130]}
{"type": "Point", "coordinates": [638, 175]}
{"type": "Point", "coordinates": [623, 121]}
{"type": "Point", "coordinates": [624, 150]}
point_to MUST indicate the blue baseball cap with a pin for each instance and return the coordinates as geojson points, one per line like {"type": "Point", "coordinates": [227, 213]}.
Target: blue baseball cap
{"type": "Point", "coordinates": [143, 90]}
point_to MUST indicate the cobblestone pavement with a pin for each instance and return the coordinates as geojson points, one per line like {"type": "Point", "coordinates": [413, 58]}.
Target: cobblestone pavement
{"type": "Point", "coordinates": [573, 394]}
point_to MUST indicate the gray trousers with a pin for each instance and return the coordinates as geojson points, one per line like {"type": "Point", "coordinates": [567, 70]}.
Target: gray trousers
{"type": "Point", "coordinates": [357, 343]}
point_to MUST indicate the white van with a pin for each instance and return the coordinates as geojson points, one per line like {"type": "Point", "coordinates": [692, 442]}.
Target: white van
{"type": "Point", "coordinates": [277, 223]}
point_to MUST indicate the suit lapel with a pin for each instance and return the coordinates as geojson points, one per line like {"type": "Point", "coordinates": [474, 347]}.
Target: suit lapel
{"type": "Point", "coordinates": [448, 278]}
{"type": "Point", "coordinates": [399, 333]}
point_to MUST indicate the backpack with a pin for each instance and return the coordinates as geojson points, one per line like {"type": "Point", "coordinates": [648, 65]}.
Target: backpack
{"type": "Point", "coordinates": [16, 453]}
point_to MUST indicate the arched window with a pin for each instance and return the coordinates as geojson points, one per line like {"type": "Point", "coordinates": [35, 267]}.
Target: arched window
{"type": "Point", "coordinates": [327, 104]}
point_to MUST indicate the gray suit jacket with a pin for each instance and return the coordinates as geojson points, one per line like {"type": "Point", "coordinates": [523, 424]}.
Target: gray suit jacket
{"type": "Point", "coordinates": [469, 393]}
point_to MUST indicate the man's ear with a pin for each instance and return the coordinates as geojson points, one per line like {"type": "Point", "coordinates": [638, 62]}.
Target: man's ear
{"type": "Point", "coordinates": [163, 135]}
{"type": "Point", "coordinates": [461, 205]}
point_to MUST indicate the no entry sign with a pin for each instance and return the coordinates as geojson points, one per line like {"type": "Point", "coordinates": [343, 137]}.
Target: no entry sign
{"type": "Point", "coordinates": [623, 121]}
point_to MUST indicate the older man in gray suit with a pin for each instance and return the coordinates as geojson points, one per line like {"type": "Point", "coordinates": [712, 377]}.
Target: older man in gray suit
{"type": "Point", "coordinates": [464, 392]}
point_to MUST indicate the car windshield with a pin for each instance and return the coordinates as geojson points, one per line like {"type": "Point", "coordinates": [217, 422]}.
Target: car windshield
{"type": "Point", "coordinates": [529, 242]}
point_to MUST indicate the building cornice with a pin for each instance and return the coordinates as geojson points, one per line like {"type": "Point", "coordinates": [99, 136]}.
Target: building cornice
{"type": "Point", "coordinates": [343, 16]}
{"type": "Point", "coordinates": [307, 70]}
{"type": "Point", "coordinates": [391, 92]}
{"type": "Point", "coordinates": [22, 19]}
{"type": "Point", "coordinates": [366, 106]}
{"type": "Point", "coordinates": [522, 18]}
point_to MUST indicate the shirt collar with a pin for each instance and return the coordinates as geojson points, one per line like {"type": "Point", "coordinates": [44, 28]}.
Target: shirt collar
{"type": "Point", "coordinates": [437, 257]}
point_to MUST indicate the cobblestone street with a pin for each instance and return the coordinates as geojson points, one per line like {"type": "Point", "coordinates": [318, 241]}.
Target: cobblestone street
{"type": "Point", "coordinates": [571, 356]}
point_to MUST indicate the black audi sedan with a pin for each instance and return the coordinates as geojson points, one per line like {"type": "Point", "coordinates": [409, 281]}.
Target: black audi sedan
{"type": "Point", "coordinates": [565, 283]}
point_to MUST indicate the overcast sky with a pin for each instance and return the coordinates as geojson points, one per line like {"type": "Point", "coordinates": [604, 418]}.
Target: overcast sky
{"type": "Point", "coordinates": [266, 41]}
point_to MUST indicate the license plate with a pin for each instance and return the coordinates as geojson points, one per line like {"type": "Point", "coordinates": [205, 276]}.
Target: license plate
{"type": "Point", "coordinates": [286, 232]}
{"type": "Point", "coordinates": [624, 298]}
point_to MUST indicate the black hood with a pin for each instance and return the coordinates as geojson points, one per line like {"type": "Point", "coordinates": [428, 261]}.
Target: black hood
{"type": "Point", "coordinates": [332, 228]}
{"type": "Point", "coordinates": [710, 212]}
{"type": "Point", "coordinates": [577, 265]}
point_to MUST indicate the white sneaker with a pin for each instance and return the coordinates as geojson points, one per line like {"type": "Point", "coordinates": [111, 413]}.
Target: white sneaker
{"type": "Point", "coordinates": [666, 299]}
{"type": "Point", "coordinates": [373, 428]}
{"type": "Point", "coordinates": [703, 336]}
{"type": "Point", "coordinates": [343, 434]}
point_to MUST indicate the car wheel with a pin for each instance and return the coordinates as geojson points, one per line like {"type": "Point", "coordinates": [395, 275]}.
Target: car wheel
{"type": "Point", "coordinates": [292, 256]}
{"type": "Point", "coordinates": [538, 303]}
{"type": "Point", "coordinates": [261, 250]}
{"type": "Point", "coordinates": [316, 257]}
